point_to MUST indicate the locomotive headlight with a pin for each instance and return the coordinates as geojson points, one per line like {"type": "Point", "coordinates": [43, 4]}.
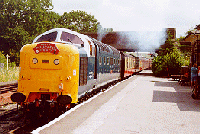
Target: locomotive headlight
{"type": "Point", "coordinates": [35, 60]}
{"type": "Point", "coordinates": [56, 61]}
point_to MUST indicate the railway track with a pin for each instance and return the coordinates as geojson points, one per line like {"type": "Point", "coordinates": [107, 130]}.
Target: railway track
{"type": "Point", "coordinates": [12, 87]}
{"type": "Point", "coordinates": [15, 122]}
{"type": "Point", "coordinates": [6, 90]}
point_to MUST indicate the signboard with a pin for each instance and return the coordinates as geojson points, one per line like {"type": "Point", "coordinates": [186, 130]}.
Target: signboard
{"type": "Point", "coordinates": [46, 47]}
{"type": "Point", "coordinates": [2, 65]}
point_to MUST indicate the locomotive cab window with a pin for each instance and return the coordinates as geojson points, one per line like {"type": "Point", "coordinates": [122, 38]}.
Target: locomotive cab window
{"type": "Point", "coordinates": [71, 38]}
{"type": "Point", "coordinates": [48, 37]}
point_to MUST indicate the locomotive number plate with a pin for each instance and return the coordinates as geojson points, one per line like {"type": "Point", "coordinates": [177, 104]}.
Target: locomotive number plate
{"type": "Point", "coordinates": [46, 47]}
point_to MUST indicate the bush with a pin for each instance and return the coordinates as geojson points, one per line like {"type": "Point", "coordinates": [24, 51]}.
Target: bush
{"type": "Point", "coordinates": [158, 67]}
{"type": "Point", "coordinates": [168, 64]}
{"type": "Point", "coordinates": [8, 75]}
{"type": "Point", "coordinates": [2, 59]}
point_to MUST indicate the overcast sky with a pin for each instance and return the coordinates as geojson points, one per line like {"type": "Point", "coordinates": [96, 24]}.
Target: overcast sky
{"type": "Point", "coordinates": [138, 15]}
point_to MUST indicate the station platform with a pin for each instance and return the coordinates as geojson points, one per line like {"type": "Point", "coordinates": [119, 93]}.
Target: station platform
{"type": "Point", "coordinates": [146, 72]}
{"type": "Point", "coordinates": [141, 104]}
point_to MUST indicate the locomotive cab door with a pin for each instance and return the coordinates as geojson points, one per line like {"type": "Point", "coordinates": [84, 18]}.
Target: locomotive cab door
{"type": "Point", "coordinates": [93, 53]}
{"type": "Point", "coordinates": [95, 64]}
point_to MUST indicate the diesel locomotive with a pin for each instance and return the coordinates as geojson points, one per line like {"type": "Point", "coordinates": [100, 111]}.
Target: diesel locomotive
{"type": "Point", "coordinates": [61, 65]}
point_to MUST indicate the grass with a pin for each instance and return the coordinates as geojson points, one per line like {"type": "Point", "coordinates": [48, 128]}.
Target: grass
{"type": "Point", "coordinates": [11, 74]}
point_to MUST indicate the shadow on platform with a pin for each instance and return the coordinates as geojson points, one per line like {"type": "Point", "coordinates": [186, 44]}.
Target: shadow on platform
{"type": "Point", "coordinates": [181, 96]}
{"type": "Point", "coordinates": [146, 73]}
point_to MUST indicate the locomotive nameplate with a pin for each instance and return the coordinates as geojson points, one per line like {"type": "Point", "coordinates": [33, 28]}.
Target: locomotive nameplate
{"type": "Point", "coordinates": [46, 47]}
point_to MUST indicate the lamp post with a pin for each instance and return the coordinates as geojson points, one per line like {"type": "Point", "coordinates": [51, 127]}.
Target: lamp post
{"type": "Point", "coordinates": [7, 56]}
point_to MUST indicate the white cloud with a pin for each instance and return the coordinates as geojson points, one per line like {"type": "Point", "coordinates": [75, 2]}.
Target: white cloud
{"type": "Point", "coordinates": [137, 15]}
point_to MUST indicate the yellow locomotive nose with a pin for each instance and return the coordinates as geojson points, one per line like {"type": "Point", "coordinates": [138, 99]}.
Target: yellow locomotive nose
{"type": "Point", "coordinates": [49, 68]}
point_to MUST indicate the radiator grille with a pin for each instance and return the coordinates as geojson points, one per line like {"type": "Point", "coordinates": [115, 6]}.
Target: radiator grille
{"type": "Point", "coordinates": [83, 71]}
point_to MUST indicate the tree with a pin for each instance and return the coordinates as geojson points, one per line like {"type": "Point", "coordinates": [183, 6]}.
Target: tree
{"type": "Point", "coordinates": [175, 61]}
{"type": "Point", "coordinates": [53, 20]}
{"type": "Point", "coordinates": [36, 17]}
{"type": "Point", "coordinates": [158, 66]}
{"type": "Point", "coordinates": [169, 59]}
{"type": "Point", "coordinates": [21, 21]}
{"type": "Point", "coordinates": [2, 58]}
{"type": "Point", "coordinates": [79, 21]}
{"type": "Point", "coordinates": [168, 64]}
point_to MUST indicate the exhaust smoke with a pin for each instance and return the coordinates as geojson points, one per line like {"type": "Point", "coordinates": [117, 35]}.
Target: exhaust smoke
{"type": "Point", "coordinates": [143, 41]}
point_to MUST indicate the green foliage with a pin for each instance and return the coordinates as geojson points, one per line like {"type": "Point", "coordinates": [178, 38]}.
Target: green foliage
{"type": "Point", "coordinates": [174, 61]}
{"type": "Point", "coordinates": [19, 22]}
{"type": "Point", "coordinates": [167, 64]}
{"type": "Point", "coordinates": [158, 66]}
{"type": "Point", "coordinates": [79, 21]}
{"type": "Point", "coordinates": [169, 59]}
{"type": "Point", "coordinates": [22, 20]}
{"type": "Point", "coordinates": [4, 61]}
{"type": "Point", "coordinates": [2, 58]}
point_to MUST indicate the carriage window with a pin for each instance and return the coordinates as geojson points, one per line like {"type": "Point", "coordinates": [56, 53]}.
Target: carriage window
{"type": "Point", "coordinates": [100, 61]}
{"type": "Point", "coordinates": [48, 37]}
{"type": "Point", "coordinates": [111, 61]}
{"type": "Point", "coordinates": [126, 59]}
{"type": "Point", "coordinates": [104, 60]}
{"type": "Point", "coordinates": [90, 50]}
{"type": "Point", "coordinates": [71, 38]}
{"type": "Point", "coordinates": [108, 60]}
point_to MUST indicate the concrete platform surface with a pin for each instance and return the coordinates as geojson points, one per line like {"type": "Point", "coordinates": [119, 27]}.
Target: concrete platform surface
{"type": "Point", "coordinates": [139, 105]}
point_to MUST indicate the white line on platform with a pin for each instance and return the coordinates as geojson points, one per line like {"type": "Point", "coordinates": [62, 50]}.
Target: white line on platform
{"type": "Point", "coordinates": [97, 119]}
